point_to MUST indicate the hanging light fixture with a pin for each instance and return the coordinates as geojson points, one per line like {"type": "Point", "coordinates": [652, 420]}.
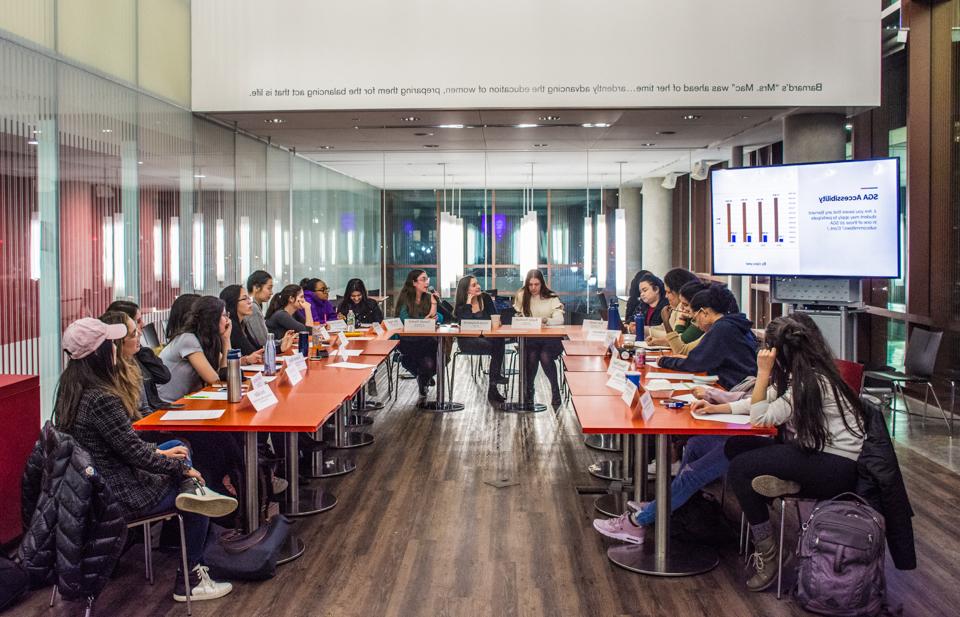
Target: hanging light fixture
{"type": "Point", "coordinates": [602, 249]}
{"type": "Point", "coordinates": [620, 240]}
{"type": "Point", "coordinates": [451, 255]}
{"type": "Point", "coordinates": [529, 233]}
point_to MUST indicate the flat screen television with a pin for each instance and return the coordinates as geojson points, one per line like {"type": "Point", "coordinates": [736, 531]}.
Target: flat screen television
{"type": "Point", "coordinates": [837, 219]}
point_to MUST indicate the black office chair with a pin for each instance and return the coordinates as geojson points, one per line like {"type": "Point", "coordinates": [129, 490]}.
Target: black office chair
{"type": "Point", "coordinates": [149, 336]}
{"type": "Point", "coordinates": [604, 305]}
{"type": "Point", "coordinates": [918, 365]}
{"type": "Point", "coordinates": [373, 292]}
{"type": "Point", "coordinates": [491, 292]}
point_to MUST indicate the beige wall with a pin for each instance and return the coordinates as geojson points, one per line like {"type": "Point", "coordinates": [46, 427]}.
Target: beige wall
{"type": "Point", "coordinates": [165, 48]}
{"type": "Point", "coordinates": [29, 19]}
{"type": "Point", "coordinates": [100, 33]}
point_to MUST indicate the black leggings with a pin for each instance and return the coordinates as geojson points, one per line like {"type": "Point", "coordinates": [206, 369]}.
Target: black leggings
{"type": "Point", "coordinates": [820, 475]}
{"type": "Point", "coordinates": [419, 356]}
{"type": "Point", "coordinates": [543, 352]}
{"type": "Point", "coordinates": [492, 347]}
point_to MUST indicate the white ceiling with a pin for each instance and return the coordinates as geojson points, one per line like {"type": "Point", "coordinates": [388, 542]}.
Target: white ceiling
{"type": "Point", "coordinates": [390, 148]}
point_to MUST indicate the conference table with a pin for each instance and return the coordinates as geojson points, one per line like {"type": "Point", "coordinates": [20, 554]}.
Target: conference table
{"type": "Point", "coordinates": [600, 412]}
{"type": "Point", "coordinates": [325, 392]}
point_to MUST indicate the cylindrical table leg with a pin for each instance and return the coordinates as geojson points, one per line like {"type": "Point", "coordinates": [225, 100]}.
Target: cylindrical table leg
{"type": "Point", "coordinates": [250, 472]}
{"type": "Point", "coordinates": [344, 438]}
{"type": "Point", "coordinates": [441, 405]}
{"type": "Point", "coordinates": [309, 500]}
{"type": "Point", "coordinates": [662, 528]}
{"type": "Point", "coordinates": [524, 405]}
{"type": "Point", "coordinates": [640, 468]}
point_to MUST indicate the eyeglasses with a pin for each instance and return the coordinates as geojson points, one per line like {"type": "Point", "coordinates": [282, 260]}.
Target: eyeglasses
{"type": "Point", "coordinates": [323, 290]}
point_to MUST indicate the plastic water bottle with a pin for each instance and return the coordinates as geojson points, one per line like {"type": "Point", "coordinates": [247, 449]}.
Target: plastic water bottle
{"type": "Point", "coordinates": [270, 356]}
{"type": "Point", "coordinates": [613, 316]}
{"type": "Point", "coordinates": [234, 393]}
{"type": "Point", "coordinates": [351, 321]}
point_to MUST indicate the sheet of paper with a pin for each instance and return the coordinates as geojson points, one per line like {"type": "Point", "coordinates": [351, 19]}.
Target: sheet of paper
{"type": "Point", "coordinates": [255, 368]}
{"type": "Point", "coordinates": [193, 414]}
{"type": "Point", "coordinates": [419, 325]}
{"type": "Point", "coordinates": [361, 338]}
{"type": "Point", "coordinates": [342, 339]}
{"type": "Point", "coordinates": [727, 418]}
{"type": "Point", "coordinates": [337, 325]}
{"type": "Point", "coordinates": [262, 398]}
{"type": "Point", "coordinates": [269, 379]}
{"type": "Point", "coordinates": [353, 365]}
{"type": "Point", "coordinates": [671, 376]}
{"type": "Point", "coordinates": [526, 323]}
{"type": "Point", "coordinates": [394, 323]}
{"type": "Point", "coordinates": [645, 345]}
{"type": "Point", "coordinates": [686, 397]}
{"type": "Point", "coordinates": [349, 353]}
{"type": "Point", "coordinates": [646, 406]}
{"type": "Point", "coordinates": [208, 396]}
{"type": "Point", "coordinates": [659, 385]}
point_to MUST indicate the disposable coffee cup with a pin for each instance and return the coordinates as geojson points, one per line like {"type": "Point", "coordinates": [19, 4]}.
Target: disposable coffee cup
{"type": "Point", "coordinates": [495, 321]}
{"type": "Point", "coordinates": [629, 340]}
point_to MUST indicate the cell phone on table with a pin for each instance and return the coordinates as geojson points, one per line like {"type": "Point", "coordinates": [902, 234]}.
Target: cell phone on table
{"type": "Point", "coordinates": [172, 406]}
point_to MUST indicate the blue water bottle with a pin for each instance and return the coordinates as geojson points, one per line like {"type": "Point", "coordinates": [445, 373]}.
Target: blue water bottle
{"type": "Point", "coordinates": [613, 316]}
{"type": "Point", "coordinates": [638, 321]}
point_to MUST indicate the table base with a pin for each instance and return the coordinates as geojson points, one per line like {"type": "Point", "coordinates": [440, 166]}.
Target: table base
{"type": "Point", "coordinates": [350, 439]}
{"type": "Point", "coordinates": [607, 470]}
{"type": "Point", "coordinates": [438, 407]}
{"type": "Point", "coordinates": [368, 406]}
{"type": "Point", "coordinates": [313, 500]}
{"type": "Point", "coordinates": [682, 559]}
{"type": "Point", "coordinates": [358, 420]}
{"type": "Point", "coordinates": [522, 407]}
{"type": "Point", "coordinates": [606, 443]}
{"type": "Point", "coordinates": [330, 466]}
{"type": "Point", "coordinates": [293, 548]}
{"type": "Point", "coordinates": [613, 504]}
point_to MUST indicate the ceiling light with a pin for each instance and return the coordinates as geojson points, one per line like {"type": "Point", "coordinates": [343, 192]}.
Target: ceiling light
{"type": "Point", "coordinates": [848, 126]}
{"type": "Point", "coordinates": [431, 145]}
{"type": "Point", "coordinates": [548, 118]}
{"type": "Point", "coordinates": [692, 117]}
{"type": "Point", "coordinates": [356, 127]}
{"type": "Point", "coordinates": [139, 162]}
{"type": "Point", "coordinates": [409, 119]}
{"type": "Point", "coordinates": [450, 126]}
{"type": "Point", "coordinates": [325, 147]}
{"type": "Point", "coordinates": [423, 134]}
{"type": "Point", "coordinates": [744, 117]}
{"type": "Point", "coordinates": [666, 132]}
{"type": "Point", "coordinates": [199, 176]}
{"type": "Point", "coordinates": [595, 125]}
{"type": "Point", "coordinates": [32, 142]}
{"type": "Point", "coordinates": [106, 130]}
{"type": "Point", "coordinates": [274, 120]}
{"type": "Point", "coordinates": [647, 144]}
{"type": "Point", "coordinates": [540, 145]}
{"type": "Point", "coordinates": [525, 126]}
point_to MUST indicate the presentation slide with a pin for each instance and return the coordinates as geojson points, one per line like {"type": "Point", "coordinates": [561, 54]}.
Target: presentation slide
{"type": "Point", "coordinates": [250, 55]}
{"type": "Point", "coordinates": [821, 219]}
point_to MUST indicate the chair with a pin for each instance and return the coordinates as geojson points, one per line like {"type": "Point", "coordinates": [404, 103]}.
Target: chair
{"type": "Point", "coordinates": [150, 338]}
{"type": "Point", "coordinates": [373, 292]}
{"type": "Point", "coordinates": [921, 357]}
{"type": "Point", "coordinates": [145, 523]}
{"type": "Point", "coordinates": [604, 305]}
{"type": "Point", "coordinates": [852, 374]}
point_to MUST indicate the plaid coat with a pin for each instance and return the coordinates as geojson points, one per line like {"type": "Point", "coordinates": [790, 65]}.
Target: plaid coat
{"type": "Point", "coordinates": [138, 477]}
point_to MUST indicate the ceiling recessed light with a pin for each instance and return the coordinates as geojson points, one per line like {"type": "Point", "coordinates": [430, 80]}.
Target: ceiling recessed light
{"type": "Point", "coordinates": [744, 117]}
{"type": "Point", "coordinates": [423, 134]}
{"type": "Point", "coordinates": [666, 132]}
{"type": "Point", "coordinates": [525, 126]}
{"type": "Point", "coordinates": [409, 119]}
{"type": "Point", "coordinates": [106, 130]}
{"type": "Point", "coordinates": [848, 126]}
{"type": "Point", "coordinates": [199, 176]}
{"type": "Point", "coordinates": [595, 125]}
{"type": "Point", "coordinates": [647, 144]}
{"type": "Point", "coordinates": [548, 118]}
{"type": "Point", "coordinates": [274, 120]}
{"type": "Point", "coordinates": [540, 145]}
{"type": "Point", "coordinates": [692, 117]}
{"type": "Point", "coordinates": [325, 147]}
{"type": "Point", "coordinates": [355, 127]}
{"type": "Point", "coordinates": [450, 126]}
{"type": "Point", "coordinates": [431, 145]}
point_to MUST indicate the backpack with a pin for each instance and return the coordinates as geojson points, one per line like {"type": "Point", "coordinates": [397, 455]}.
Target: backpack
{"type": "Point", "coordinates": [251, 557]}
{"type": "Point", "coordinates": [840, 556]}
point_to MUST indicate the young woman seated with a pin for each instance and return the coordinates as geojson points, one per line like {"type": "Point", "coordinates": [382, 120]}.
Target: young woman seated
{"type": "Point", "coordinates": [683, 336]}
{"type": "Point", "coordinates": [96, 406]}
{"type": "Point", "coordinates": [240, 308]}
{"type": "Point", "coordinates": [535, 299]}
{"type": "Point", "coordinates": [673, 281]}
{"type": "Point", "coordinates": [653, 303]}
{"type": "Point", "coordinates": [800, 390]}
{"type": "Point", "coordinates": [418, 354]}
{"type": "Point", "coordinates": [728, 348]}
{"type": "Point", "coordinates": [260, 288]}
{"type": "Point", "coordinates": [472, 303]}
{"type": "Point", "coordinates": [365, 310]}
{"type": "Point", "coordinates": [633, 296]}
{"type": "Point", "coordinates": [179, 310]}
{"type": "Point", "coordinates": [283, 307]}
{"type": "Point", "coordinates": [317, 295]}
{"type": "Point", "coordinates": [152, 370]}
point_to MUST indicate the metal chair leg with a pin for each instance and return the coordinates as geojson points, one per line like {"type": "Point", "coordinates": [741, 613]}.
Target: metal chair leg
{"type": "Point", "coordinates": [89, 611]}
{"type": "Point", "coordinates": [451, 373]}
{"type": "Point", "coordinates": [147, 553]}
{"type": "Point", "coordinates": [184, 564]}
{"type": "Point", "coordinates": [53, 595]}
{"type": "Point", "coordinates": [783, 516]}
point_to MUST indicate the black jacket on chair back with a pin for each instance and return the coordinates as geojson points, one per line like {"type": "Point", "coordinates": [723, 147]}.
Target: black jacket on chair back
{"type": "Point", "coordinates": [74, 528]}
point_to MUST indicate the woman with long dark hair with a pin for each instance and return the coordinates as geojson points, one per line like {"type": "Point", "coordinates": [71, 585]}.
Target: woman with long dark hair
{"type": "Point", "coordinates": [472, 303]}
{"type": "Point", "coordinates": [240, 308]}
{"type": "Point", "coordinates": [684, 335]}
{"type": "Point", "coordinates": [673, 282]}
{"type": "Point", "coordinates": [535, 299]}
{"type": "Point", "coordinates": [653, 301]}
{"type": "Point", "coordinates": [418, 354]}
{"type": "Point", "coordinates": [633, 293]}
{"type": "Point", "coordinates": [144, 478]}
{"type": "Point", "coordinates": [283, 307]}
{"type": "Point", "coordinates": [178, 314]}
{"type": "Point", "coordinates": [365, 309]}
{"type": "Point", "coordinates": [799, 389]}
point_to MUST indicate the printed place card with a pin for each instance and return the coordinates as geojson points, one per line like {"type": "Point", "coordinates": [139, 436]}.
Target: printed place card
{"type": "Point", "coordinates": [294, 373]}
{"type": "Point", "coordinates": [597, 335]}
{"type": "Point", "coordinates": [378, 329]}
{"type": "Point", "coordinates": [629, 393]}
{"type": "Point", "coordinates": [337, 325]}
{"type": "Point", "coordinates": [394, 323]}
{"type": "Point", "coordinates": [618, 366]}
{"type": "Point", "coordinates": [419, 325]}
{"type": "Point", "coordinates": [646, 406]}
{"type": "Point", "coordinates": [617, 381]}
{"type": "Point", "coordinates": [526, 323]}
{"type": "Point", "coordinates": [324, 335]}
{"type": "Point", "coordinates": [342, 339]}
{"type": "Point", "coordinates": [298, 361]}
{"type": "Point", "coordinates": [590, 325]}
{"type": "Point", "coordinates": [261, 398]}
{"type": "Point", "coordinates": [257, 381]}
{"type": "Point", "coordinates": [475, 325]}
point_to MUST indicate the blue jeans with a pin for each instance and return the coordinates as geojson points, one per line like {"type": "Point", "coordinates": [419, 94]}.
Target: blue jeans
{"type": "Point", "coordinates": [703, 462]}
{"type": "Point", "coordinates": [195, 526]}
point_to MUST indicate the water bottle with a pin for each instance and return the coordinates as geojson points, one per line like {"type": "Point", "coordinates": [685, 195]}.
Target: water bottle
{"type": "Point", "coordinates": [234, 393]}
{"type": "Point", "coordinates": [351, 321]}
{"type": "Point", "coordinates": [638, 321]}
{"type": "Point", "coordinates": [304, 344]}
{"type": "Point", "coordinates": [270, 356]}
{"type": "Point", "coordinates": [613, 316]}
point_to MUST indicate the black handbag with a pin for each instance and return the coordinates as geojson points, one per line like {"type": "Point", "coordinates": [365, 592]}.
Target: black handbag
{"type": "Point", "coordinates": [13, 582]}
{"type": "Point", "coordinates": [246, 557]}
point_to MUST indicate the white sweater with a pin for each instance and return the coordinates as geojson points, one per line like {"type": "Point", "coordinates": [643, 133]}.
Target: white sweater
{"type": "Point", "coordinates": [774, 411]}
{"type": "Point", "coordinates": [549, 309]}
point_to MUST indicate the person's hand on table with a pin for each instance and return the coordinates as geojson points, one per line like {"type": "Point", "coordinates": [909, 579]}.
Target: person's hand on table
{"type": "Point", "coordinates": [287, 341]}
{"type": "Point", "coordinates": [699, 391]}
{"type": "Point", "coordinates": [193, 473]}
{"type": "Point", "coordinates": [703, 407]}
{"type": "Point", "coordinates": [253, 358]}
{"type": "Point", "coordinates": [179, 452]}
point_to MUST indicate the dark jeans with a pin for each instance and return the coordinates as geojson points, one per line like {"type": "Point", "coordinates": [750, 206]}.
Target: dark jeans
{"type": "Point", "coordinates": [820, 475]}
{"type": "Point", "coordinates": [216, 455]}
{"type": "Point", "coordinates": [419, 356]}
{"type": "Point", "coordinates": [485, 347]}
{"type": "Point", "coordinates": [543, 352]}
{"type": "Point", "coordinates": [194, 525]}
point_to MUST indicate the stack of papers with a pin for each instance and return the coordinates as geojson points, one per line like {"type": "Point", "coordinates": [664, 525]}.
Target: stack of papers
{"type": "Point", "coordinates": [727, 418]}
{"type": "Point", "coordinates": [209, 396]}
{"type": "Point", "coordinates": [193, 414]}
{"type": "Point", "coordinates": [655, 385]}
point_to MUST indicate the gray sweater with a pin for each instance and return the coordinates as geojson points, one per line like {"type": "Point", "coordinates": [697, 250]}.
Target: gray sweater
{"type": "Point", "coordinates": [256, 325]}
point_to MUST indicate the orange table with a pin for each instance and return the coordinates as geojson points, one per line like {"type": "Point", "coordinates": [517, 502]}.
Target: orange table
{"type": "Point", "coordinates": [584, 348]}
{"type": "Point", "coordinates": [609, 414]}
{"type": "Point", "coordinates": [586, 364]}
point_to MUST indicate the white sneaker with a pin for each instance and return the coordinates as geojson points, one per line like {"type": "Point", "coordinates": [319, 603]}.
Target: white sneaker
{"type": "Point", "coordinates": [202, 587]}
{"type": "Point", "coordinates": [203, 500]}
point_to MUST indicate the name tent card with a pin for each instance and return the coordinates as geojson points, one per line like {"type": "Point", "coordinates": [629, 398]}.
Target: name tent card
{"type": "Point", "coordinates": [526, 323]}
{"type": "Point", "coordinates": [629, 393]}
{"type": "Point", "coordinates": [597, 335]}
{"type": "Point", "coordinates": [617, 381]}
{"type": "Point", "coordinates": [261, 398]}
{"type": "Point", "coordinates": [394, 323]}
{"type": "Point", "coordinates": [337, 325]}
{"type": "Point", "coordinates": [378, 329]}
{"type": "Point", "coordinates": [618, 366]}
{"type": "Point", "coordinates": [324, 335]}
{"type": "Point", "coordinates": [419, 325]}
{"type": "Point", "coordinates": [646, 406]}
{"type": "Point", "coordinates": [342, 339]}
{"type": "Point", "coordinates": [475, 325]}
{"type": "Point", "coordinates": [298, 361]}
{"type": "Point", "coordinates": [591, 325]}
{"type": "Point", "coordinates": [294, 375]}
{"type": "Point", "coordinates": [257, 381]}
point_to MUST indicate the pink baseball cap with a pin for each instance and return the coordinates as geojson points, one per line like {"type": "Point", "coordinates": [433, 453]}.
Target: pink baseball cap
{"type": "Point", "coordinates": [84, 336]}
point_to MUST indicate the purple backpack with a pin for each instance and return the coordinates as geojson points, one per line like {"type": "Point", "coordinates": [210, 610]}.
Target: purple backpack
{"type": "Point", "coordinates": [840, 559]}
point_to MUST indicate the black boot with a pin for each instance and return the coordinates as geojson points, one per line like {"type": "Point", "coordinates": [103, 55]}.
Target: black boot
{"type": "Point", "coordinates": [422, 385]}
{"type": "Point", "coordinates": [494, 396]}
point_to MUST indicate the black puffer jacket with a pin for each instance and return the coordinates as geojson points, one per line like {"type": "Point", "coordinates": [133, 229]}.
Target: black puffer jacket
{"type": "Point", "coordinates": [74, 527]}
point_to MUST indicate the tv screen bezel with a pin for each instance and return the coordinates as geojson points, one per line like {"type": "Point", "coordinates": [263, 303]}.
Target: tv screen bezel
{"type": "Point", "coordinates": [713, 244]}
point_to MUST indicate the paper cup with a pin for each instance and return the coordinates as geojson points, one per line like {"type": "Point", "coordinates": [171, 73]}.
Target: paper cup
{"type": "Point", "coordinates": [495, 321]}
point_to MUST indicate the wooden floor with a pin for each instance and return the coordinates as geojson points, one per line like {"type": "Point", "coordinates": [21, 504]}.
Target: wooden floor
{"type": "Point", "coordinates": [418, 532]}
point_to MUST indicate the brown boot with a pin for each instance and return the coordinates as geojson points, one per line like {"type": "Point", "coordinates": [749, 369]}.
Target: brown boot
{"type": "Point", "coordinates": [764, 562]}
